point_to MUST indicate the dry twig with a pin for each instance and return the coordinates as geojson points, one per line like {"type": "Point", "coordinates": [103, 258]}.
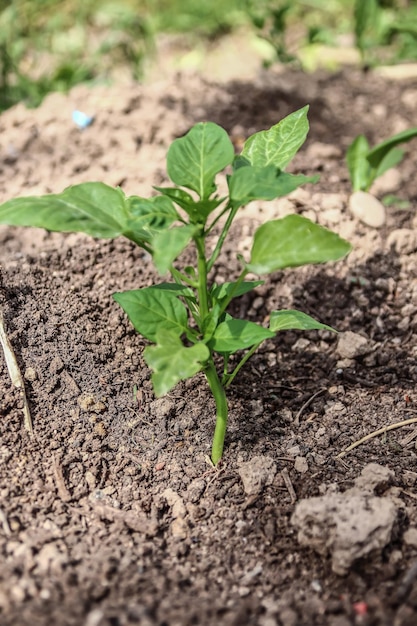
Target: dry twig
{"type": "Point", "coordinates": [380, 431]}
{"type": "Point", "coordinates": [15, 374]}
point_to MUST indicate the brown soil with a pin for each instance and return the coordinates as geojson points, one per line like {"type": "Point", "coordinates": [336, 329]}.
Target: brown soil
{"type": "Point", "coordinates": [110, 514]}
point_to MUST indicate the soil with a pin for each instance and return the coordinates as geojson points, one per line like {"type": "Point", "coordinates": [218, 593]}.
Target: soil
{"type": "Point", "coordinates": [110, 514]}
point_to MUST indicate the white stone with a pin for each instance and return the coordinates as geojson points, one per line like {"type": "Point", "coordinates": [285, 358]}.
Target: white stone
{"type": "Point", "coordinates": [367, 209]}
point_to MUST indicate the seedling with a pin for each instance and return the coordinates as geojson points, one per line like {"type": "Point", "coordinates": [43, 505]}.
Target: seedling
{"type": "Point", "coordinates": [366, 165]}
{"type": "Point", "coordinates": [187, 319]}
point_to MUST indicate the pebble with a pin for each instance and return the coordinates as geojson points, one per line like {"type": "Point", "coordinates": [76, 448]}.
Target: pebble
{"type": "Point", "coordinates": [352, 345]}
{"type": "Point", "coordinates": [367, 209]}
{"type": "Point", "coordinates": [301, 465]}
{"type": "Point", "coordinates": [257, 473]}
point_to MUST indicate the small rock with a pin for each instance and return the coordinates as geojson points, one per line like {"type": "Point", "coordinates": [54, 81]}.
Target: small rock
{"type": "Point", "coordinates": [162, 407]}
{"type": "Point", "coordinates": [300, 464]}
{"type": "Point", "coordinates": [403, 240]}
{"type": "Point", "coordinates": [352, 345]}
{"type": "Point", "coordinates": [346, 526]}
{"type": "Point", "coordinates": [410, 537]}
{"type": "Point", "coordinates": [31, 374]}
{"type": "Point", "coordinates": [367, 209]}
{"type": "Point", "coordinates": [374, 476]}
{"type": "Point", "coordinates": [257, 473]}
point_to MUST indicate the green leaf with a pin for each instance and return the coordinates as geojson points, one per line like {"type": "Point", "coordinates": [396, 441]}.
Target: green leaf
{"type": "Point", "coordinates": [365, 15]}
{"type": "Point", "coordinates": [377, 154]}
{"type": "Point", "coordinates": [359, 168]}
{"type": "Point", "coordinates": [175, 288]}
{"type": "Point", "coordinates": [391, 159]}
{"type": "Point", "coordinates": [150, 215]}
{"type": "Point", "coordinates": [235, 334]}
{"type": "Point", "coordinates": [295, 320]}
{"type": "Point", "coordinates": [151, 309]}
{"type": "Point", "coordinates": [171, 361]}
{"type": "Point", "coordinates": [92, 208]}
{"type": "Point", "coordinates": [194, 160]}
{"type": "Point", "coordinates": [221, 292]}
{"type": "Point", "coordinates": [168, 244]}
{"type": "Point", "coordinates": [278, 145]}
{"type": "Point", "coordinates": [197, 211]}
{"type": "Point", "coordinates": [293, 241]}
{"type": "Point", "coordinates": [263, 183]}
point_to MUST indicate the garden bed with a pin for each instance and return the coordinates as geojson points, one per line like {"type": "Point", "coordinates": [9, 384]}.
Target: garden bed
{"type": "Point", "coordinates": [110, 514]}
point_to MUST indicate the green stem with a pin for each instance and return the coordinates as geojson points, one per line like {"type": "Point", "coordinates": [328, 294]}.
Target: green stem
{"type": "Point", "coordinates": [227, 381]}
{"type": "Point", "coordinates": [180, 278]}
{"type": "Point", "coordinates": [222, 237]}
{"type": "Point", "coordinates": [202, 277]}
{"type": "Point", "coordinates": [233, 291]}
{"type": "Point", "coordinates": [219, 395]}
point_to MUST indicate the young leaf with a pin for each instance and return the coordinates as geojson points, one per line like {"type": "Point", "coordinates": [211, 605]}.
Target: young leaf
{"type": "Point", "coordinates": [294, 320]}
{"type": "Point", "coordinates": [377, 154]}
{"type": "Point", "coordinates": [235, 334]}
{"type": "Point", "coordinates": [197, 211]}
{"type": "Point", "coordinates": [171, 361]}
{"type": "Point", "coordinates": [150, 215]}
{"type": "Point", "coordinates": [151, 309]}
{"type": "Point", "coordinates": [194, 160]}
{"type": "Point", "coordinates": [279, 144]}
{"type": "Point", "coordinates": [293, 241]}
{"type": "Point", "coordinates": [168, 244]}
{"type": "Point", "coordinates": [359, 168]}
{"type": "Point", "coordinates": [263, 183]}
{"type": "Point", "coordinates": [391, 159]}
{"type": "Point", "coordinates": [220, 292]}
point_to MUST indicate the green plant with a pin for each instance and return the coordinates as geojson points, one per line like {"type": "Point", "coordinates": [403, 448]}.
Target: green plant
{"type": "Point", "coordinates": [366, 165]}
{"type": "Point", "coordinates": [187, 319]}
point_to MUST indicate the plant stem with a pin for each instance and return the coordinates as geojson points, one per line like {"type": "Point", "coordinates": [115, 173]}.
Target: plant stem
{"type": "Point", "coordinates": [229, 378]}
{"type": "Point", "coordinates": [202, 277]}
{"type": "Point", "coordinates": [222, 237]}
{"type": "Point", "coordinates": [219, 395]}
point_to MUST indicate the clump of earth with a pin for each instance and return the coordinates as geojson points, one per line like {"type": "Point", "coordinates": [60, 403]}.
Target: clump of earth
{"type": "Point", "coordinates": [110, 514]}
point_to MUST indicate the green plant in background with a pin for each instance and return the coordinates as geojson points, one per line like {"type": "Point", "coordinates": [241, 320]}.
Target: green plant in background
{"type": "Point", "coordinates": [366, 165]}
{"type": "Point", "coordinates": [187, 318]}
{"type": "Point", "coordinates": [51, 46]}
{"type": "Point", "coordinates": [385, 30]}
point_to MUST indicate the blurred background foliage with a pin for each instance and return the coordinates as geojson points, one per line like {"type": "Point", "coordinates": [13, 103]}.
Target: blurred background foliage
{"type": "Point", "coordinates": [51, 45]}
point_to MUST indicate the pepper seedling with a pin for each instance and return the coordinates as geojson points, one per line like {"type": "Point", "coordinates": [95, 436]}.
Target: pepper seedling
{"type": "Point", "coordinates": [366, 165]}
{"type": "Point", "coordinates": [187, 319]}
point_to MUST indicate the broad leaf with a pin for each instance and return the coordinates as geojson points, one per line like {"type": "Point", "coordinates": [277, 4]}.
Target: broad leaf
{"type": "Point", "coordinates": [293, 241]}
{"type": "Point", "coordinates": [235, 334]}
{"type": "Point", "coordinates": [377, 154]}
{"type": "Point", "coordinates": [171, 361]}
{"type": "Point", "coordinates": [359, 168]}
{"type": "Point", "coordinates": [194, 160]}
{"type": "Point", "coordinates": [295, 320]}
{"type": "Point", "coordinates": [278, 145]}
{"type": "Point", "coordinates": [92, 208]}
{"type": "Point", "coordinates": [263, 183]}
{"type": "Point", "coordinates": [151, 309]}
{"type": "Point", "coordinates": [168, 244]}
{"type": "Point", "coordinates": [221, 292]}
